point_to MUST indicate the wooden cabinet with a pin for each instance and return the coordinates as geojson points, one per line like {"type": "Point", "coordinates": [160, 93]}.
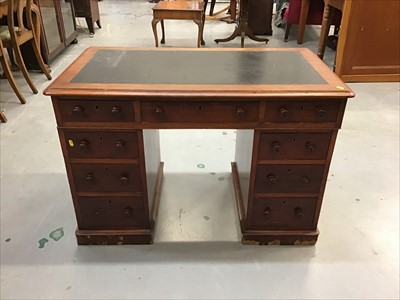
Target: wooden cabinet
{"type": "Point", "coordinates": [109, 112]}
{"type": "Point", "coordinates": [58, 30]}
{"type": "Point", "coordinates": [369, 44]}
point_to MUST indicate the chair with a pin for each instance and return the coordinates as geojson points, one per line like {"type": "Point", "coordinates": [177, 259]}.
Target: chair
{"type": "Point", "coordinates": [14, 34]}
{"type": "Point", "coordinates": [8, 74]}
{"type": "Point", "coordinates": [315, 9]}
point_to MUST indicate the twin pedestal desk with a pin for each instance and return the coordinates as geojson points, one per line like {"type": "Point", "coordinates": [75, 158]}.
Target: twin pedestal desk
{"type": "Point", "coordinates": [286, 105]}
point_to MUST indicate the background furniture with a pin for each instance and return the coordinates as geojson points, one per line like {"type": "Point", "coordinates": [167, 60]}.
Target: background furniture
{"type": "Point", "coordinates": [19, 31]}
{"type": "Point", "coordinates": [58, 30]}
{"type": "Point", "coordinates": [304, 12]}
{"type": "Point", "coordinates": [242, 29]}
{"type": "Point", "coordinates": [88, 9]}
{"type": "Point", "coordinates": [109, 113]}
{"type": "Point", "coordinates": [331, 6]}
{"type": "Point", "coordinates": [260, 16]}
{"type": "Point", "coordinates": [9, 75]}
{"type": "Point", "coordinates": [369, 45]}
{"type": "Point", "coordinates": [179, 10]}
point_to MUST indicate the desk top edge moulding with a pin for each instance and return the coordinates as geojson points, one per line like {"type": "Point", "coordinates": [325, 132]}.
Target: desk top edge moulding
{"type": "Point", "coordinates": [285, 104]}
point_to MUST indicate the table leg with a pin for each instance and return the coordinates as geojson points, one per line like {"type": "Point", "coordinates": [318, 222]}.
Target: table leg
{"type": "Point", "coordinates": [305, 5]}
{"type": "Point", "coordinates": [154, 26]}
{"type": "Point", "coordinates": [200, 40]}
{"type": "Point", "coordinates": [326, 24]}
{"type": "Point", "coordinates": [162, 32]}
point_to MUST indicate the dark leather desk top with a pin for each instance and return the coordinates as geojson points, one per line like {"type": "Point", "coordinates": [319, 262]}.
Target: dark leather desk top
{"type": "Point", "coordinates": [134, 71]}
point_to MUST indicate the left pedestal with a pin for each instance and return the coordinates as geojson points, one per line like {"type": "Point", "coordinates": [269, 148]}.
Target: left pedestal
{"type": "Point", "coordinates": [114, 170]}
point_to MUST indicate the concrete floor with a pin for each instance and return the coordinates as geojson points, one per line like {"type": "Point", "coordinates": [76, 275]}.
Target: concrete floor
{"type": "Point", "coordinates": [197, 251]}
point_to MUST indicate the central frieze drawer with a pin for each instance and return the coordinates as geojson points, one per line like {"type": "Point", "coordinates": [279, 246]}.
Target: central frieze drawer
{"type": "Point", "coordinates": [107, 177]}
{"type": "Point", "coordinates": [111, 213]}
{"type": "Point", "coordinates": [101, 144]}
{"type": "Point", "coordinates": [96, 111]}
{"type": "Point", "coordinates": [199, 112]}
{"type": "Point", "coordinates": [302, 111]}
{"type": "Point", "coordinates": [288, 178]}
{"type": "Point", "coordinates": [281, 145]}
{"type": "Point", "coordinates": [283, 213]}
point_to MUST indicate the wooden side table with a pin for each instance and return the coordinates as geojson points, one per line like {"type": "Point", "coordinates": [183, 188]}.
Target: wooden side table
{"type": "Point", "coordinates": [88, 9]}
{"type": "Point", "coordinates": [178, 10]}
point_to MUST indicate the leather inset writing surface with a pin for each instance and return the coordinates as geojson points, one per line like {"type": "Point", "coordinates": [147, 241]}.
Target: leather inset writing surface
{"type": "Point", "coordinates": [198, 68]}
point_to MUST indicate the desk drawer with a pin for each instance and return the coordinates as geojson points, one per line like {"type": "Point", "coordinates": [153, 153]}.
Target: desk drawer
{"type": "Point", "coordinates": [101, 144]}
{"type": "Point", "coordinates": [283, 213]}
{"type": "Point", "coordinates": [96, 111]}
{"type": "Point", "coordinates": [200, 112]}
{"type": "Point", "coordinates": [107, 177]}
{"type": "Point", "coordinates": [288, 178]}
{"type": "Point", "coordinates": [111, 213]}
{"type": "Point", "coordinates": [275, 146]}
{"type": "Point", "coordinates": [302, 112]}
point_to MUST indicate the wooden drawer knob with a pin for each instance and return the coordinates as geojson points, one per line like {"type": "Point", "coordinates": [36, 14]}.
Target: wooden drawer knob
{"type": "Point", "coordinates": [267, 212]}
{"type": "Point", "coordinates": [124, 179]}
{"type": "Point", "coordinates": [276, 147]}
{"type": "Point", "coordinates": [284, 112]}
{"type": "Point", "coordinates": [271, 179]}
{"type": "Point", "coordinates": [298, 212]}
{"type": "Point", "coordinates": [90, 178]}
{"type": "Point", "coordinates": [128, 212]}
{"type": "Point", "coordinates": [241, 112]}
{"type": "Point", "coordinates": [310, 147]}
{"type": "Point", "coordinates": [84, 145]}
{"type": "Point", "coordinates": [321, 112]}
{"type": "Point", "coordinates": [116, 111]}
{"type": "Point", "coordinates": [120, 145]}
{"type": "Point", "coordinates": [159, 113]}
{"type": "Point", "coordinates": [77, 111]}
{"type": "Point", "coordinates": [306, 179]}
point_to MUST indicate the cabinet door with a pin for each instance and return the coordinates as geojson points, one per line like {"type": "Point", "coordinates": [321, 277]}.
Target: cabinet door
{"type": "Point", "coordinates": [68, 21]}
{"type": "Point", "coordinates": [54, 40]}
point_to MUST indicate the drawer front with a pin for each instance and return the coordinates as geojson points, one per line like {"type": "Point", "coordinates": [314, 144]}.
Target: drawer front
{"type": "Point", "coordinates": [96, 111]}
{"type": "Point", "coordinates": [283, 213]}
{"type": "Point", "coordinates": [199, 112]}
{"type": "Point", "coordinates": [111, 213]}
{"type": "Point", "coordinates": [101, 144]}
{"type": "Point", "coordinates": [294, 145]}
{"type": "Point", "coordinates": [288, 178]}
{"type": "Point", "coordinates": [302, 112]}
{"type": "Point", "coordinates": [106, 177]}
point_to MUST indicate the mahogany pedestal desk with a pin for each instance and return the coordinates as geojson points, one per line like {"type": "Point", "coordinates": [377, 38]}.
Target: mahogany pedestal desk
{"type": "Point", "coordinates": [286, 105]}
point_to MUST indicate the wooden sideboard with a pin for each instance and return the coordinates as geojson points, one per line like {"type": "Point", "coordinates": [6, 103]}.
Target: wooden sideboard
{"type": "Point", "coordinates": [286, 105]}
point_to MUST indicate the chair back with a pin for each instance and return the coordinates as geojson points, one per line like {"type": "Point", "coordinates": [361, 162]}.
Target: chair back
{"type": "Point", "coordinates": [18, 11]}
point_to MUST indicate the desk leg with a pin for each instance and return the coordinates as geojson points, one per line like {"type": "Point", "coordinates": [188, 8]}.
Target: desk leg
{"type": "Point", "coordinates": [154, 26]}
{"type": "Point", "coordinates": [305, 5]}
{"type": "Point", "coordinates": [326, 24]}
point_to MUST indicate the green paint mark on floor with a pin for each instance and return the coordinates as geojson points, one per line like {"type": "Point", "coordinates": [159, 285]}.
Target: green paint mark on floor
{"type": "Point", "coordinates": [221, 178]}
{"type": "Point", "coordinates": [42, 242]}
{"type": "Point", "coordinates": [212, 173]}
{"type": "Point", "coordinates": [201, 166]}
{"type": "Point", "coordinates": [57, 234]}
{"type": "Point", "coordinates": [224, 133]}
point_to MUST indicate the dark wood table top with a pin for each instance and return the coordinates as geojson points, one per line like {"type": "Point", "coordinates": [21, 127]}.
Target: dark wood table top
{"type": "Point", "coordinates": [286, 72]}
